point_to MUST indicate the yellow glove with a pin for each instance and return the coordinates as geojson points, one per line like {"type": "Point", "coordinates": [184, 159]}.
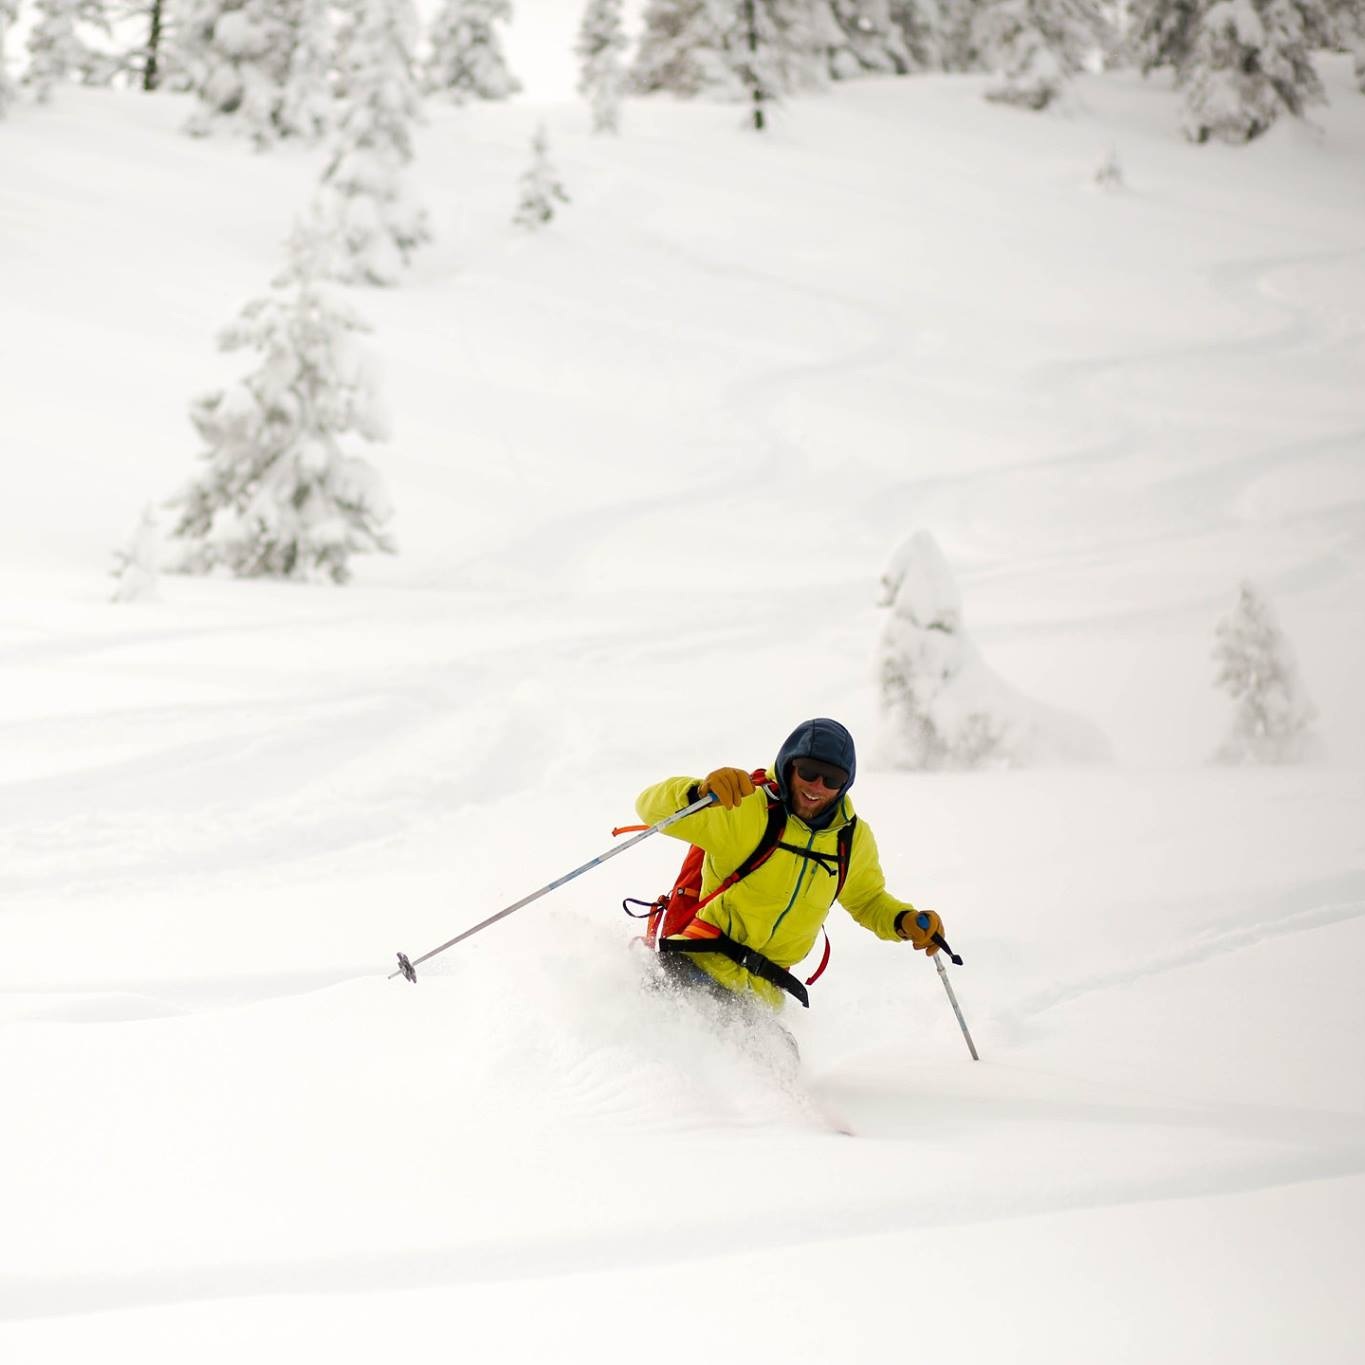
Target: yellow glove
{"type": "Point", "coordinates": [731, 786]}
{"type": "Point", "coordinates": [921, 936]}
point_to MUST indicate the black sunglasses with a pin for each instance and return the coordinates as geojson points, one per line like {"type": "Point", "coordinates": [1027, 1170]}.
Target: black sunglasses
{"type": "Point", "coordinates": [813, 770]}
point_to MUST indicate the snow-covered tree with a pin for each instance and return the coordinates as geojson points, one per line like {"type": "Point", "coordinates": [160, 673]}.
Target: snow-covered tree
{"type": "Point", "coordinates": [466, 58]}
{"type": "Point", "coordinates": [1109, 173]}
{"type": "Point", "coordinates": [682, 48]}
{"type": "Point", "coordinates": [540, 186]}
{"type": "Point", "coordinates": [56, 50]}
{"type": "Point", "coordinates": [1346, 20]}
{"type": "Point", "coordinates": [944, 708]}
{"type": "Point", "coordinates": [939, 35]}
{"type": "Point", "coordinates": [732, 49]}
{"type": "Point", "coordinates": [602, 78]}
{"type": "Point", "coordinates": [281, 496]}
{"type": "Point", "coordinates": [149, 65]}
{"type": "Point", "coordinates": [1035, 46]}
{"type": "Point", "coordinates": [238, 56]}
{"type": "Point", "coordinates": [1250, 63]}
{"type": "Point", "coordinates": [305, 105]}
{"type": "Point", "coordinates": [365, 193]}
{"type": "Point", "coordinates": [1255, 666]}
{"type": "Point", "coordinates": [155, 43]}
{"type": "Point", "coordinates": [779, 48]}
{"type": "Point", "coordinates": [262, 68]}
{"type": "Point", "coordinates": [137, 566]}
{"type": "Point", "coordinates": [9, 11]}
{"type": "Point", "coordinates": [1162, 32]}
{"type": "Point", "coordinates": [860, 36]}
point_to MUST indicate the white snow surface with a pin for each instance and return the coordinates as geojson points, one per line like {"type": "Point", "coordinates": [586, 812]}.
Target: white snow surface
{"type": "Point", "coordinates": [647, 468]}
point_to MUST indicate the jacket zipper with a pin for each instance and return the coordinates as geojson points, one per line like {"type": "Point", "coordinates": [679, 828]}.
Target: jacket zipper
{"type": "Point", "coordinates": [796, 890]}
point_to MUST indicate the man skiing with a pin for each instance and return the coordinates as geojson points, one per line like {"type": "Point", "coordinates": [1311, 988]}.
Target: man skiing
{"type": "Point", "coordinates": [797, 846]}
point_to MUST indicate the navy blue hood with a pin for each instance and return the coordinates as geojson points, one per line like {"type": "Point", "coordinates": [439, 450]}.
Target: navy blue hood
{"type": "Point", "coordinates": [826, 740]}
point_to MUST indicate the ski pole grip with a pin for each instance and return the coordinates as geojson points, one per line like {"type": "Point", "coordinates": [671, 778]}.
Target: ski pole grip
{"type": "Point", "coordinates": [923, 921]}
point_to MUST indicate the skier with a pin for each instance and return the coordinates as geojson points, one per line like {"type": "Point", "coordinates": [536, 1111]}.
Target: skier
{"type": "Point", "coordinates": [743, 941]}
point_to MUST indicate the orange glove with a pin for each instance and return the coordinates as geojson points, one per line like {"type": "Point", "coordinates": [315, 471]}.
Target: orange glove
{"type": "Point", "coordinates": [731, 786]}
{"type": "Point", "coordinates": [921, 938]}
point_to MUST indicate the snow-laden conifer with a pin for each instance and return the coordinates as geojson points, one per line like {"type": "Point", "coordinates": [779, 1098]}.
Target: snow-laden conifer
{"type": "Point", "coordinates": [682, 47]}
{"type": "Point", "coordinates": [1255, 666]}
{"type": "Point", "coordinates": [943, 707]}
{"type": "Point", "coordinates": [600, 48]}
{"type": "Point", "coordinates": [365, 192]}
{"type": "Point", "coordinates": [1161, 33]}
{"type": "Point", "coordinates": [939, 35]}
{"type": "Point", "coordinates": [137, 565]}
{"type": "Point", "coordinates": [860, 37]}
{"type": "Point", "coordinates": [1109, 173]}
{"type": "Point", "coordinates": [1250, 62]}
{"type": "Point", "coordinates": [305, 106]}
{"type": "Point", "coordinates": [466, 59]}
{"type": "Point", "coordinates": [9, 10]}
{"type": "Point", "coordinates": [755, 50]}
{"type": "Point", "coordinates": [780, 48]}
{"type": "Point", "coordinates": [1346, 20]}
{"type": "Point", "coordinates": [238, 56]}
{"type": "Point", "coordinates": [282, 496]}
{"type": "Point", "coordinates": [57, 51]}
{"type": "Point", "coordinates": [1035, 47]}
{"type": "Point", "coordinates": [541, 189]}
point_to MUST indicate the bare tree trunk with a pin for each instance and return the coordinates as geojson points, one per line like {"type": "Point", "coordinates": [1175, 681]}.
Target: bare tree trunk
{"type": "Point", "coordinates": [150, 72]}
{"type": "Point", "coordinates": [755, 83]}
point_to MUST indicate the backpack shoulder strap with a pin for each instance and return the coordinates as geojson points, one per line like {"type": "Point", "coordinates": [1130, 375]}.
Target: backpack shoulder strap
{"type": "Point", "coordinates": [768, 842]}
{"type": "Point", "coordinates": [844, 853]}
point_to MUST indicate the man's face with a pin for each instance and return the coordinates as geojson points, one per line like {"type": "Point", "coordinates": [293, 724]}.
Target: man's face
{"type": "Point", "coordinates": [814, 786]}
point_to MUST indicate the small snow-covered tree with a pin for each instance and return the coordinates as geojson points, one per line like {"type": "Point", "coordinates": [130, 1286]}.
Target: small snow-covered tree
{"type": "Point", "coordinates": [541, 189]}
{"type": "Point", "coordinates": [137, 566]}
{"type": "Point", "coordinates": [1255, 666]}
{"type": "Point", "coordinates": [373, 213]}
{"type": "Point", "coordinates": [1035, 47]}
{"type": "Point", "coordinates": [1249, 63]}
{"type": "Point", "coordinates": [1109, 173]}
{"type": "Point", "coordinates": [282, 496]}
{"type": "Point", "coordinates": [943, 706]}
{"type": "Point", "coordinates": [602, 78]}
{"type": "Point", "coordinates": [466, 59]}
{"type": "Point", "coordinates": [860, 37]}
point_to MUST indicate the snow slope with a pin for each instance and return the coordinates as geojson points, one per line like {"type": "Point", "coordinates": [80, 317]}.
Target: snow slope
{"type": "Point", "coordinates": [648, 467]}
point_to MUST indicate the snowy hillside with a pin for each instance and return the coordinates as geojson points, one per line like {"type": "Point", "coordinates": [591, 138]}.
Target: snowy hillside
{"type": "Point", "coordinates": [648, 466]}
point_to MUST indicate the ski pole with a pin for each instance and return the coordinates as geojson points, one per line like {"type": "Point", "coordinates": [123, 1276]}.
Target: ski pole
{"type": "Point", "coordinates": [407, 967]}
{"type": "Point", "coordinates": [923, 922]}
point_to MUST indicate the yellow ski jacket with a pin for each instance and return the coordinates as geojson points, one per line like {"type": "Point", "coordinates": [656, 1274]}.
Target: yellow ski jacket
{"type": "Point", "coordinates": [780, 907]}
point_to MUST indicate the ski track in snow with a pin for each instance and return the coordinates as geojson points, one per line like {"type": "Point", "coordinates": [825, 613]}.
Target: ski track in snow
{"type": "Point", "coordinates": [1206, 949]}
